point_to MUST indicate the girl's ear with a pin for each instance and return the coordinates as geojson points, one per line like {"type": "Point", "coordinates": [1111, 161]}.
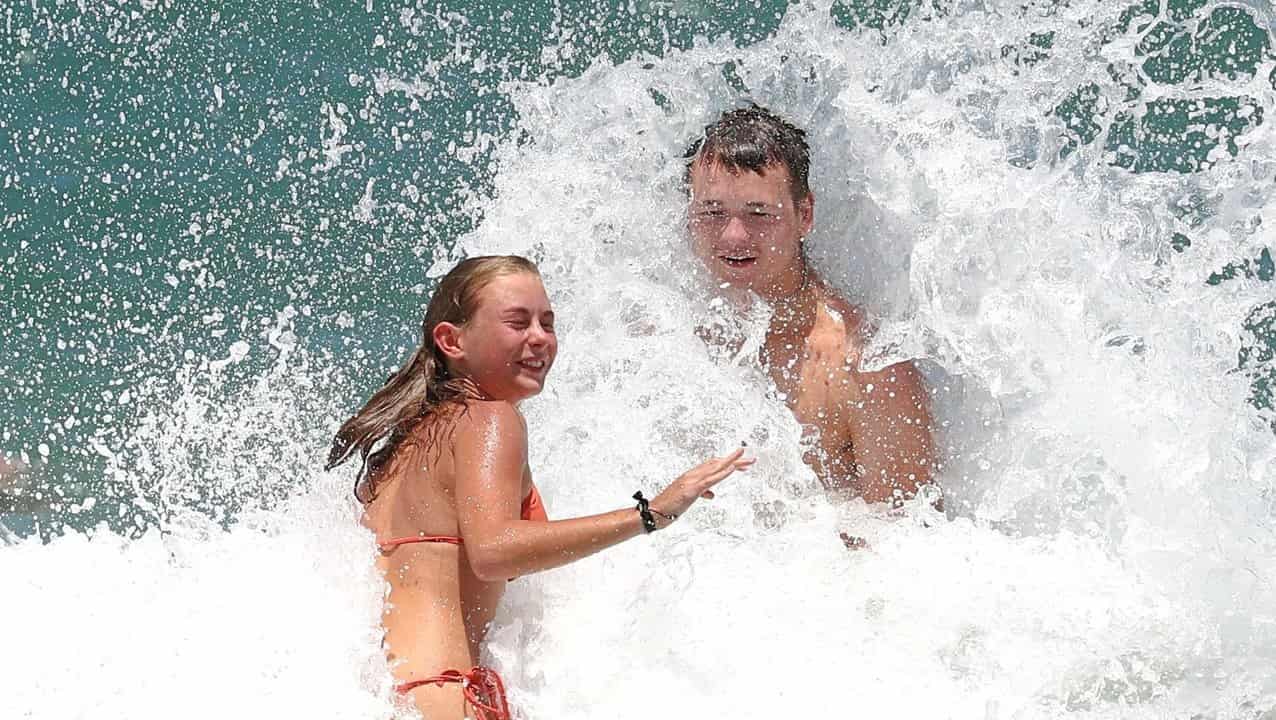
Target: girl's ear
{"type": "Point", "coordinates": [447, 338]}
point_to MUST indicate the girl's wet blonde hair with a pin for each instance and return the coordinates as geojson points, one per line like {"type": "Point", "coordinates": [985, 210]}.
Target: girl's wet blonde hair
{"type": "Point", "coordinates": [424, 385]}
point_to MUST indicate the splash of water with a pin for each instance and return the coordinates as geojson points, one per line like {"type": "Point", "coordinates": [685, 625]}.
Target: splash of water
{"type": "Point", "coordinates": [1109, 548]}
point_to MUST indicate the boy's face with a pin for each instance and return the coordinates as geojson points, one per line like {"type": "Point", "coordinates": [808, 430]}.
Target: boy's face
{"type": "Point", "coordinates": [747, 229]}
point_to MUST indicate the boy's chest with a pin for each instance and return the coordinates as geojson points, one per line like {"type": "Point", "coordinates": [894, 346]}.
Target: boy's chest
{"type": "Point", "coordinates": [820, 388]}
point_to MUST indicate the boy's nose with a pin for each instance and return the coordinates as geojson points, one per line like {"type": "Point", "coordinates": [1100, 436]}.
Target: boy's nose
{"type": "Point", "coordinates": [735, 229]}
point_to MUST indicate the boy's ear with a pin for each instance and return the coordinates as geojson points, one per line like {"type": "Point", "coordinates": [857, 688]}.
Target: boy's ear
{"type": "Point", "coordinates": [447, 338]}
{"type": "Point", "coordinates": [806, 214]}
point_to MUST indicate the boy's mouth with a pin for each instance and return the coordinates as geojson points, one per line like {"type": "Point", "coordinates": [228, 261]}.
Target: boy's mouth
{"type": "Point", "coordinates": [738, 260]}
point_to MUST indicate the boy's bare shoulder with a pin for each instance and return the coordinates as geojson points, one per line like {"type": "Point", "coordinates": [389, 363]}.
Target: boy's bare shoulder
{"type": "Point", "coordinates": [856, 329]}
{"type": "Point", "coordinates": [842, 332]}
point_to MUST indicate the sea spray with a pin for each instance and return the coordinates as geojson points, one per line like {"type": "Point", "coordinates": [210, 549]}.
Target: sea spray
{"type": "Point", "coordinates": [1106, 549]}
{"type": "Point", "coordinates": [1096, 430]}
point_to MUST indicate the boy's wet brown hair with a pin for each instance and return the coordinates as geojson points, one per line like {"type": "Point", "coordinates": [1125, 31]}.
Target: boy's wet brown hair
{"type": "Point", "coordinates": [754, 138]}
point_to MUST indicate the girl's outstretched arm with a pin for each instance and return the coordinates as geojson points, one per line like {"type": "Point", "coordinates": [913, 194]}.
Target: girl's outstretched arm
{"type": "Point", "coordinates": [490, 451]}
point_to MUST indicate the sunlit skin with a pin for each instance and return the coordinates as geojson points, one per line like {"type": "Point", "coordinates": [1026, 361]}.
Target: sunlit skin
{"type": "Point", "coordinates": [872, 430]}
{"type": "Point", "coordinates": [471, 484]}
{"type": "Point", "coordinates": [9, 469]}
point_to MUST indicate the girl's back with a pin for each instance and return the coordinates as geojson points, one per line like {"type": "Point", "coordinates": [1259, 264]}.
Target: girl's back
{"type": "Point", "coordinates": [437, 610]}
{"type": "Point", "coordinates": [449, 493]}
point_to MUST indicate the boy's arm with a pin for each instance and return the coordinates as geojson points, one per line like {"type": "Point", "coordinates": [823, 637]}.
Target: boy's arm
{"type": "Point", "coordinates": [891, 433]}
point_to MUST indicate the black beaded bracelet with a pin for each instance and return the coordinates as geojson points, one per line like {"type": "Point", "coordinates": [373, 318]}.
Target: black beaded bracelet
{"type": "Point", "coordinates": [644, 512]}
{"type": "Point", "coordinates": [670, 518]}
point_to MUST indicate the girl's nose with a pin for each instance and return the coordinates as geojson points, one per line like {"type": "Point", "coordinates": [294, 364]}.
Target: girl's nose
{"type": "Point", "coordinates": [537, 334]}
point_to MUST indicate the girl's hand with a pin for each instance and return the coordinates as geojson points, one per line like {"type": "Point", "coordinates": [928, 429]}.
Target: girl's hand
{"type": "Point", "coordinates": [694, 484]}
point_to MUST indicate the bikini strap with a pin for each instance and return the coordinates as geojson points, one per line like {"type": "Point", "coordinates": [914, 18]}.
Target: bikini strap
{"type": "Point", "coordinates": [392, 543]}
{"type": "Point", "coordinates": [482, 687]}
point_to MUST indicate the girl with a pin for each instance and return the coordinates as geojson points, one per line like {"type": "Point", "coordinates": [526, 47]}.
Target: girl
{"type": "Point", "coordinates": [447, 490]}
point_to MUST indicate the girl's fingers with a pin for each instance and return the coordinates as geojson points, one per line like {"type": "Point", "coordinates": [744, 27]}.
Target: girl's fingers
{"type": "Point", "coordinates": [723, 473]}
{"type": "Point", "coordinates": [716, 476]}
{"type": "Point", "coordinates": [713, 463]}
{"type": "Point", "coordinates": [718, 463]}
{"type": "Point", "coordinates": [713, 471]}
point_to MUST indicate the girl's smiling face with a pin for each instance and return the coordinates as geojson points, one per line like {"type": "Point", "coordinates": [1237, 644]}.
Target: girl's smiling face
{"type": "Point", "coordinates": [508, 345]}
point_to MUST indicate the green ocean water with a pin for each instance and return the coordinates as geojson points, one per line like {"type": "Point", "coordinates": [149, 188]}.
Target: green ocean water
{"type": "Point", "coordinates": [182, 177]}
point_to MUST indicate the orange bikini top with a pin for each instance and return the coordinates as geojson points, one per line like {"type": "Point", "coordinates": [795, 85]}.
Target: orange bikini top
{"type": "Point", "coordinates": [533, 509]}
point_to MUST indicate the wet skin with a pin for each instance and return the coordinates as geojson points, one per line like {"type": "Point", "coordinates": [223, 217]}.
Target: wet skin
{"type": "Point", "coordinates": [437, 610]}
{"type": "Point", "coordinates": [870, 432]}
{"type": "Point", "coordinates": [463, 472]}
{"type": "Point", "coordinates": [441, 599]}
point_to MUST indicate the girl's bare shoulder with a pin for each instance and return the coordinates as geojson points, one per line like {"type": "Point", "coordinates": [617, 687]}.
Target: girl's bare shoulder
{"type": "Point", "coordinates": [485, 417]}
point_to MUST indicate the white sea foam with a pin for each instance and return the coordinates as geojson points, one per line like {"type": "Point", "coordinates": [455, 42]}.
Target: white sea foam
{"type": "Point", "coordinates": [1108, 551]}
